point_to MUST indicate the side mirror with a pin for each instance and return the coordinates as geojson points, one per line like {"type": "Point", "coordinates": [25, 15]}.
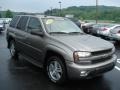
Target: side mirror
{"type": "Point", "coordinates": [38, 33]}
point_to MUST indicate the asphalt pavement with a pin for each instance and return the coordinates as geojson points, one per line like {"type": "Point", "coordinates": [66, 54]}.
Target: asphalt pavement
{"type": "Point", "coordinates": [22, 75]}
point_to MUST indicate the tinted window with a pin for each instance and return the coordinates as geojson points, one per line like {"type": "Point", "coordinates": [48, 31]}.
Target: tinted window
{"type": "Point", "coordinates": [22, 23]}
{"type": "Point", "coordinates": [14, 21]}
{"type": "Point", "coordinates": [34, 24]}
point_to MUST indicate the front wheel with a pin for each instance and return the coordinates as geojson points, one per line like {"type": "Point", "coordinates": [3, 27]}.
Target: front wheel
{"type": "Point", "coordinates": [56, 70]}
{"type": "Point", "coordinates": [13, 51]}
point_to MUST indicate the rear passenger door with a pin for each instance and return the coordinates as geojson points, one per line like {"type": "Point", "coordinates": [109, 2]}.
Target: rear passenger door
{"type": "Point", "coordinates": [21, 34]}
{"type": "Point", "coordinates": [35, 42]}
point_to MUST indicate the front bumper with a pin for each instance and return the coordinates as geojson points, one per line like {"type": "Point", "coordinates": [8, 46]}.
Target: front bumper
{"type": "Point", "coordinates": [75, 71]}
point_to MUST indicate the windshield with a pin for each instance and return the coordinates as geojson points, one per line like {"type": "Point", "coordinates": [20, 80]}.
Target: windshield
{"type": "Point", "coordinates": [109, 25]}
{"type": "Point", "coordinates": [61, 26]}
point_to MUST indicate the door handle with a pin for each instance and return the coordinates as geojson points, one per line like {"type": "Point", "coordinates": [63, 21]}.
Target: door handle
{"type": "Point", "coordinates": [21, 36]}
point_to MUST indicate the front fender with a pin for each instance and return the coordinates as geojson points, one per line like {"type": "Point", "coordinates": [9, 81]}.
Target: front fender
{"type": "Point", "coordinates": [65, 52]}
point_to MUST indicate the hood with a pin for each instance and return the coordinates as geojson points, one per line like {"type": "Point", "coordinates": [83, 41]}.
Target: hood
{"type": "Point", "coordinates": [83, 42]}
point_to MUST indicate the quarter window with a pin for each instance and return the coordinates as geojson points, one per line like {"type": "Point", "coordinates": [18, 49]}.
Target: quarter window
{"type": "Point", "coordinates": [14, 21]}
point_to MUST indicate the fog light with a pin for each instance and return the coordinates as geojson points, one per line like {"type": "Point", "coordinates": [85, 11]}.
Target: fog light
{"type": "Point", "coordinates": [83, 73]}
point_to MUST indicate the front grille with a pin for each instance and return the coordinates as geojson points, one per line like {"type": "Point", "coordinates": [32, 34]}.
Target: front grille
{"type": "Point", "coordinates": [101, 60]}
{"type": "Point", "coordinates": [101, 52]}
{"type": "Point", "coordinates": [107, 56]}
{"type": "Point", "coordinates": [97, 57]}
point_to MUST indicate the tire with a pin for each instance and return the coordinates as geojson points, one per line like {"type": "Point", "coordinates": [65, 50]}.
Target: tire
{"type": "Point", "coordinates": [101, 76]}
{"type": "Point", "coordinates": [56, 70]}
{"type": "Point", "coordinates": [14, 53]}
{"type": "Point", "coordinates": [117, 42]}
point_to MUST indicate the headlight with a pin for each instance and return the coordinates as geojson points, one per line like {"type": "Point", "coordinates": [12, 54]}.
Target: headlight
{"type": "Point", "coordinates": [78, 55]}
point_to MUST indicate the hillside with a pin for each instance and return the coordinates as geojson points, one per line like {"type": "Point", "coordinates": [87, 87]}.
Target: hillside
{"type": "Point", "coordinates": [3, 13]}
{"type": "Point", "coordinates": [89, 12]}
{"type": "Point", "coordinates": [83, 12]}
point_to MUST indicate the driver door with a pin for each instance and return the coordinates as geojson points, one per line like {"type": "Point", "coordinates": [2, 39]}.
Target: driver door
{"type": "Point", "coordinates": [35, 42]}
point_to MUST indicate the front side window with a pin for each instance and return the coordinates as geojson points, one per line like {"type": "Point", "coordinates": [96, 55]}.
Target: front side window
{"type": "Point", "coordinates": [61, 25]}
{"type": "Point", "coordinates": [34, 24]}
{"type": "Point", "coordinates": [22, 23]}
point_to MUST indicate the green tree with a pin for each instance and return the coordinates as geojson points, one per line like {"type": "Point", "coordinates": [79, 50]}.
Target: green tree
{"type": "Point", "coordinates": [8, 14]}
{"type": "Point", "coordinates": [89, 12]}
{"type": "Point", "coordinates": [0, 15]}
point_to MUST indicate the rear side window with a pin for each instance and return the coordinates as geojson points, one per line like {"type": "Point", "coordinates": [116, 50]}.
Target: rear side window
{"type": "Point", "coordinates": [22, 23]}
{"type": "Point", "coordinates": [14, 21]}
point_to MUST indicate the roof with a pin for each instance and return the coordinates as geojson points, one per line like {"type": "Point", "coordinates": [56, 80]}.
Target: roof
{"type": "Point", "coordinates": [41, 16]}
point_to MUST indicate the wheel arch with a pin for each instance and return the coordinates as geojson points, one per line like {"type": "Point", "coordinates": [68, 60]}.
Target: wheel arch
{"type": "Point", "coordinates": [53, 53]}
{"type": "Point", "coordinates": [9, 40]}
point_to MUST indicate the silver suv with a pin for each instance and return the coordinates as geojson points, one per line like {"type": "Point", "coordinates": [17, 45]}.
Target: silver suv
{"type": "Point", "coordinates": [59, 46]}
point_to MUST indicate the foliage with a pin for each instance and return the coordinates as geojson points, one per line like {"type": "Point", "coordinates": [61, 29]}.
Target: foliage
{"type": "Point", "coordinates": [0, 15]}
{"type": "Point", "coordinates": [89, 12]}
{"type": "Point", "coordinates": [8, 14]}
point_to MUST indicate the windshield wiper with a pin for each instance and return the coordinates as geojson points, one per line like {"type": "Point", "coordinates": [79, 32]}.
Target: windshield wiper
{"type": "Point", "coordinates": [66, 33]}
{"type": "Point", "coordinates": [76, 33]}
{"type": "Point", "coordinates": [58, 33]}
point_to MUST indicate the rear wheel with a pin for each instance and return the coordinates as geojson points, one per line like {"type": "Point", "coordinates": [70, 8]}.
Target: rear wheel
{"type": "Point", "coordinates": [56, 70]}
{"type": "Point", "coordinates": [14, 53]}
